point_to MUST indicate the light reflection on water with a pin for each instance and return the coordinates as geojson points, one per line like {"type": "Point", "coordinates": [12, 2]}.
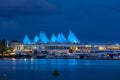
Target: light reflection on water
{"type": "Point", "coordinates": [61, 64]}
{"type": "Point", "coordinates": [70, 69]}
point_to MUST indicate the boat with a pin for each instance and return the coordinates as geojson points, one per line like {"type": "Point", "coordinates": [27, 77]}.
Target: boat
{"type": "Point", "coordinates": [41, 56]}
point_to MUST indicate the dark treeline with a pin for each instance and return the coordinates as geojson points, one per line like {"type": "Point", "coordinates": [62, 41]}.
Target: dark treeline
{"type": "Point", "coordinates": [15, 41]}
{"type": "Point", "coordinates": [4, 47]}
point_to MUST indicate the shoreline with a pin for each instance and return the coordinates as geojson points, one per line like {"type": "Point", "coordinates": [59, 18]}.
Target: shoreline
{"type": "Point", "coordinates": [6, 58]}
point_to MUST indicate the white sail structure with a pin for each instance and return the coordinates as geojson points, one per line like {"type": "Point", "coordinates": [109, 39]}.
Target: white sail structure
{"type": "Point", "coordinates": [58, 38]}
{"type": "Point", "coordinates": [26, 40]}
{"type": "Point", "coordinates": [43, 38]}
{"type": "Point", "coordinates": [40, 37]}
{"type": "Point", "coordinates": [53, 38]}
{"type": "Point", "coordinates": [61, 38]}
{"type": "Point", "coordinates": [36, 39]}
{"type": "Point", "coordinates": [72, 38]}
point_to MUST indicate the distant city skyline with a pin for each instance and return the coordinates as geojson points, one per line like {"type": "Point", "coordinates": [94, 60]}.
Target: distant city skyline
{"type": "Point", "coordinates": [90, 20]}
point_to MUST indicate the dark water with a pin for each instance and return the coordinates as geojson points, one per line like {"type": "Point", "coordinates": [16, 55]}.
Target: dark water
{"type": "Point", "coordinates": [69, 69]}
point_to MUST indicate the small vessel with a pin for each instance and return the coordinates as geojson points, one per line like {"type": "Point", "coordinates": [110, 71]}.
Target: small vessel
{"type": "Point", "coordinates": [41, 56]}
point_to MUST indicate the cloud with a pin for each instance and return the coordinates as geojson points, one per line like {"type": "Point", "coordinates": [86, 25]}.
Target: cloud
{"type": "Point", "coordinates": [10, 8]}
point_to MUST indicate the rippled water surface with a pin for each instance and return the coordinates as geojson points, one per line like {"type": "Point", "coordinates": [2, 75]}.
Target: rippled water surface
{"type": "Point", "coordinates": [69, 69]}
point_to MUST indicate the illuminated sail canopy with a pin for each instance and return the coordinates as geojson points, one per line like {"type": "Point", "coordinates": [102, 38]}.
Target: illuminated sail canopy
{"type": "Point", "coordinates": [40, 37]}
{"type": "Point", "coordinates": [36, 39]}
{"type": "Point", "coordinates": [26, 40]}
{"type": "Point", "coordinates": [43, 38]}
{"type": "Point", "coordinates": [53, 38]}
{"type": "Point", "coordinates": [61, 38]}
{"type": "Point", "coordinates": [72, 38]}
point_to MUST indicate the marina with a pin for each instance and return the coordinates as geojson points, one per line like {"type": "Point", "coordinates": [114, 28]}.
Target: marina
{"type": "Point", "coordinates": [59, 39]}
{"type": "Point", "coordinates": [61, 47]}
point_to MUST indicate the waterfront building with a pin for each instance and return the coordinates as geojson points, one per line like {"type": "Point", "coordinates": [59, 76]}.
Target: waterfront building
{"type": "Point", "coordinates": [61, 44]}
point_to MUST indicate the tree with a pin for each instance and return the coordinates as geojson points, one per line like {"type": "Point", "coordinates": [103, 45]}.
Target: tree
{"type": "Point", "coordinates": [3, 46]}
{"type": "Point", "coordinates": [15, 41]}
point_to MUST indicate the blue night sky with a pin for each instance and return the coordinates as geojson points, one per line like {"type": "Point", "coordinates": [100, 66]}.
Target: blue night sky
{"type": "Point", "coordinates": [90, 20]}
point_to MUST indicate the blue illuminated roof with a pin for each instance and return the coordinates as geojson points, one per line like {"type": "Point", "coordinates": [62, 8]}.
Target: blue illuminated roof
{"type": "Point", "coordinates": [61, 38]}
{"type": "Point", "coordinates": [72, 38]}
{"type": "Point", "coordinates": [53, 38]}
{"type": "Point", "coordinates": [43, 38]}
{"type": "Point", "coordinates": [26, 40]}
{"type": "Point", "coordinates": [36, 39]}
{"type": "Point", "coordinates": [40, 37]}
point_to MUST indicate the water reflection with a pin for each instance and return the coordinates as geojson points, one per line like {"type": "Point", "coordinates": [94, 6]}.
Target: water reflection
{"type": "Point", "coordinates": [51, 64]}
{"type": "Point", "coordinates": [13, 59]}
{"type": "Point", "coordinates": [70, 69]}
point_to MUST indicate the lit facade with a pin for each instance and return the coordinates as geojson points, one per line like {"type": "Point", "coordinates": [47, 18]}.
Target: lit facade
{"type": "Point", "coordinates": [65, 47]}
{"type": "Point", "coordinates": [60, 44]}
